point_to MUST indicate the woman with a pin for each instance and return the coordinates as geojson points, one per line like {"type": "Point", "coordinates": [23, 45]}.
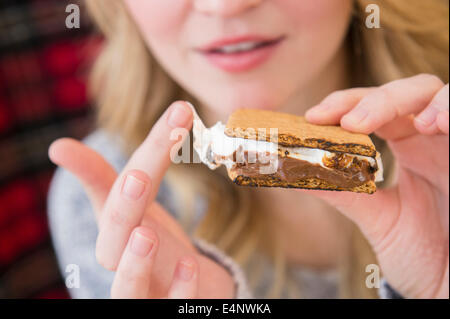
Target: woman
{"type": "Point", "coordinates": [313, 57]}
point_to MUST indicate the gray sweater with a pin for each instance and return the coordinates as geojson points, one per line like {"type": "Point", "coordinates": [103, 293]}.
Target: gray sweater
{"type": "Point", "coordinates": [74, 232]}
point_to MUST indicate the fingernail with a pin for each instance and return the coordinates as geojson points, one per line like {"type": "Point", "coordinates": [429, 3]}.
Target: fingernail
{"type": "Point", "coordinates": [141, 245]}
{"type": "Point", "coordinates": [357, 115]}
{"type": "Point", "coordinates": [427, 117]}
{"type": "Point", "coordinates": [178, 115]}
{"type": "Point", "coordinates": [185, 270]}
{"type": "Point", "coordinates": [133, 188]}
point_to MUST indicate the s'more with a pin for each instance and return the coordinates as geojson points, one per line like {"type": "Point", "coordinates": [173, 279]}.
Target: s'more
{"type": "Point", "coordinates": [269, 149]}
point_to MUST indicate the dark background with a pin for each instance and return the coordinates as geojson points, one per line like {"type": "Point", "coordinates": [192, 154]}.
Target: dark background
{"type": "Point", "coordinates": [43, 96]}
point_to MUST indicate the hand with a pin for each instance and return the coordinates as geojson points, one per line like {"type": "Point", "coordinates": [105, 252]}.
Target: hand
{"type": "Point", "coordinates": [407, 224]}
{"type": "Point", "coordinates": [151, 254]}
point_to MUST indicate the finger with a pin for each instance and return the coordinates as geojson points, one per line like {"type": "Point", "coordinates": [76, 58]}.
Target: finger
{"type": "Point", "coordinates": [335, 105]}
{"type": "Point", "coordinates": [132, 279]}
{"type": "Point", "coordinates": [97, 177]}
{"type": "Point", "coordinates": [123, 210]}
{"type": "Point", "coordinates": [160, 215]}
{"type": "Point", "coordinates": [426, 121]}
{"type": "Point", "coordinates": [443, 122]}
{"type": "Point", "coordinates": [390, 102]}
{"type": "Point", "coordinates": [153, 155]}
{"type": "Point", "coordinates": [397, 129]}
{"type": "Point", "coordinates": [151, 158]}
{"type": "Point", "coordinates": [185, 280]}
{"type": "Point", "coordinates": [368, 212]}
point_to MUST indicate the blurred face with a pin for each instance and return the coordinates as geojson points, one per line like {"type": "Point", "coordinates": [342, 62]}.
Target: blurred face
{"type": "Point", "coordinates": [244, 53]}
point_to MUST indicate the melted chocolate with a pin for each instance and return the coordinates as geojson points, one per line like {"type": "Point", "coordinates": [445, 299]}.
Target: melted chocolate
{"type": "Point", "coordinates": [291, 170]}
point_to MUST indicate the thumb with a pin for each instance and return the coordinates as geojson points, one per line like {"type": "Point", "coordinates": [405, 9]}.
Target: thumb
{"type": "Point", "coordinates": [374, 214]}
{"type": "Point", "coordinates": [94, 172]}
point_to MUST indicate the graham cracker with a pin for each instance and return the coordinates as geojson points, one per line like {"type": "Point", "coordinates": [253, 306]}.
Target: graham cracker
{"type": "Point", "coordinates": [295, 131]}
{"type": "Point", "coordinates": [310, 183]}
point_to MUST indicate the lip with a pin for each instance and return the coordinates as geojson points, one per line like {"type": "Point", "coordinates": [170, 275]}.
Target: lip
{"type": "Point", "coordinates": [240, 61]}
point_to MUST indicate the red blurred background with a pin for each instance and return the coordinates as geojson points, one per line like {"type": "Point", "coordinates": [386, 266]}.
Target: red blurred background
{"type": "Point", "coordinates": [43, 67]}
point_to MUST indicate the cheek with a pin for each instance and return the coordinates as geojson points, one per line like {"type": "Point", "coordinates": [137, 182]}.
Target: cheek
{"type": "Point", "coordinates": [158, 18]}
{"type": "Point", "coordinates": [314, 14]}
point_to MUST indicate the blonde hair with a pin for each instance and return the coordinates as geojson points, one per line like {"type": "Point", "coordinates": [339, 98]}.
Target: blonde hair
{"type": "Point", "coordinates": [131, 95]}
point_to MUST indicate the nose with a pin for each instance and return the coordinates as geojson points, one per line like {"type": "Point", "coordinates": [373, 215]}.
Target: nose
{"type": "Point", "coordinates": [225, 7]}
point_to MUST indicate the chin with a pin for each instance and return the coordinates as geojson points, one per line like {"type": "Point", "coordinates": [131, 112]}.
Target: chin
{"type": "Point", "coordinates": [261, 97]}
{"type": "Point", "coordinates": [228, 106]}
